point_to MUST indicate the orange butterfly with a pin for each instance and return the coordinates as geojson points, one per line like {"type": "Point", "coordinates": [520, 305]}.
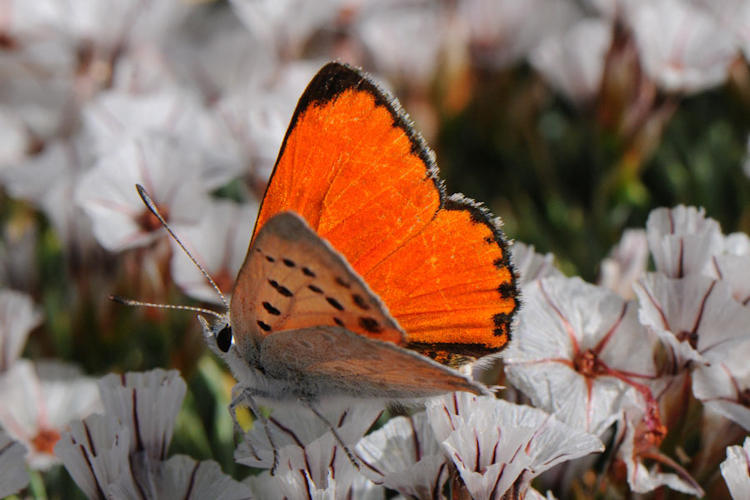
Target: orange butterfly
{"type": "Point", "coordinates": [359, 258]}
{"type": "Point", "coordinates": [361, 268]}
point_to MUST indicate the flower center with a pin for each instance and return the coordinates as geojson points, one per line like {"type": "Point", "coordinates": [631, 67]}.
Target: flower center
{"type": "Point", "coordinates": [7, 42]}
{"type": "Point", "coordinates": [588, 364]}
{"type": "Point", "coordinates": [689, 337]}
{"type": "Point", "coordinates": [149, 222]}
{"type": "Point", "coordinates": [45, 440]}
{"type": "Point", "coordinates": [650, 432]}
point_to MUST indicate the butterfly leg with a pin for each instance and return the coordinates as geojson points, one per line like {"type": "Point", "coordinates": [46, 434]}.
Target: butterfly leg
{"type": "Point", "coordinates": [336, 435]}
{"type": "Point", "coordinates": [246, 396]}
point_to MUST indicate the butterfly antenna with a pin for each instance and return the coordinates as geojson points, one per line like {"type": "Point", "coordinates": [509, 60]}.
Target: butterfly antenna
{"type": "Point", "coordinates": [152, 207]}
{"type": "Point", "coordinates": [138, 303]}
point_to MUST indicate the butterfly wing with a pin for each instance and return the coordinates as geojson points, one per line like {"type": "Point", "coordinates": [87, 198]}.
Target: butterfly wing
{"type": "Point", "coordinates": [293, 279]}
{"type": "Point", "coordinates": [352, 166]}
{"type": "Point", "coordinates": [334, 359]}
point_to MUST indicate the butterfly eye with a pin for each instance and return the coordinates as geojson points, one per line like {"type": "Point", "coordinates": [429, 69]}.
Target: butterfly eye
{"type": "Point", "coordinates": [224, 338]}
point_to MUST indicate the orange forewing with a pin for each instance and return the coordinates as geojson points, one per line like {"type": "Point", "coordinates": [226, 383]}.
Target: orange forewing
{"type": "Point", "coordinates": [363, 179]}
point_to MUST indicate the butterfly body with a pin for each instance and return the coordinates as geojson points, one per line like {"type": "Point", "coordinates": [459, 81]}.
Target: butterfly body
{"type": "Point", "coordinates": [360, 267]}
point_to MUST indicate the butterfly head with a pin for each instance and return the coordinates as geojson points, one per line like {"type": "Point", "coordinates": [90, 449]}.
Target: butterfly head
{"type": "Point", "coordinates": [218, 334]}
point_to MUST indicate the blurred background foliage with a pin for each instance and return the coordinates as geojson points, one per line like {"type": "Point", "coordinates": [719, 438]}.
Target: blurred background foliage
{"type": "Point", "coordinates": [567, 176]}
{"type": "Point", "coordinates": [567, 183]}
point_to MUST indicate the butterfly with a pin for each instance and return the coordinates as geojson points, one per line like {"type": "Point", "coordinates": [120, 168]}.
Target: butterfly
{"type": "Point", "coordinates": [363, 278]}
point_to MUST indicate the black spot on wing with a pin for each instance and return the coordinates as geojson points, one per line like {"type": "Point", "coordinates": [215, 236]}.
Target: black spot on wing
{"type": "Point", "coordinates": [271, 309]}
{"type": "Point", "coordinates": [338, 321]}
{"type": "Point", "coordinates": [342, 282]}
{"type": "Point", "coordinates": [370, 324]}
{"type": "Point", "coordinates": [270, 259]}
{"type": "Point", "coordinates": [360, 302]}
{"type": "Point", "coordinates": [314, 288]}
{"type": "Point", "coordinates": [263, 326]}
{"type": "Point", "coordinates": [288, 262]}
{"type": "Point", "coordinates": [335, 303]}
{"type": "Point", "coordinates": [280, 288]}
{"type": "Point", "coordinates": [308, 272]}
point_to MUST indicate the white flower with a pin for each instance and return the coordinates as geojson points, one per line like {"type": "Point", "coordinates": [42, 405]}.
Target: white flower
{"type": "Point", "coordinates": [172, 177]}
{"type": "Point", "coordinates": [117, 116]}
{"type": "Point", "coordinates": [580, 353]}
{"type": "Point", "coordinates": [734, 16]}
{"type": "Point", "coordinates": [215, 53]}
{"type": "Point", "coordinates": [290, 484]}
{"type": "Point", "coordinates": [303, 438]}
{"type": "Point", "coordinates": [219, 241]}
{"type": "Point", "coordinates": [724, 385]}
{"type": "Point", "coordinates": [405, 39]}
{"type": "Point", "coordinates": [735, 470]}
{"type": "Point", "coordinates": [626, 263]}
{"type": "Point", "coordinates": [107, 21]}
{"type": "Point", "coordinates": [531, 265]}
{"type": "Point", "coordinates": [37, 406]}
{"type": "Point", "coordinates": [695, 317]}
{"type": "Point", "coordinates": [737, 244]}
{"type": "Point", "coordinates": [286, 24]}
{"type": "Point", "coordinates": [38, 86]}
{"type": "Point", "coordinates": [638, 439]}
{"type": "Point", "coordinates": [405, 456]}
{"type": "Point", "coordinates": [185, 477]}
{"type": "Point", "coordinates": [13, 475]}
{"type": "Point", "coordinates": [119, 454]}
{"type": "Point", "coordinates": [48, 180]}
{"type": "Point", "coordinates": [732, 266]}
{"type": "Point", "coordinates": [500, 32]}
{"type": "Point", "coordinates": [104, 33]}
{"type": "Point", "coordinates": [496, 445]}
{"type": "Point", "coordinates": [308, 454]}
{"type": "Point", "coordinates": [95, 452]}
{"type": "Point", "coordinates": [681, 46]}
{"type": "Point", "coordinates": [573, 63]}
{"type": "Point", "coordinates": [317, 467]}
{"type": "Point", "coordinates": [256, 115]}
{"type": "Point", "coordinates": [682, 240]}
{"type": "Point", "coordinates": [18, 317]}
{"type": "Point", "coordinates": [147, 403]}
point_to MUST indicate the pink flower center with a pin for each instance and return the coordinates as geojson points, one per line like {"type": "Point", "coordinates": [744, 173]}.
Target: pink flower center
{"type": "Point", "coordinates": [689, 337]}
{"type": "Point", "coordinates": [45, 440]}
{"type": "Point", "coordinates": [149, 222]}
{"type": "Point", "coordinates": [589, 365]}
{"type": "Point", "coordinates": [7, 42]}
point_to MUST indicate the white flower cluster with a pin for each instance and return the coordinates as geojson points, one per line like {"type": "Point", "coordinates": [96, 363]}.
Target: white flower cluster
{"type": "Point", "coordinates": [38, 398]}
{"type": "Point", "coordinates": [594, 358]}
{"type": "Point", "coordinates": [496, 447]}
{"type": "Point", "coordinates": [122, 453]}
